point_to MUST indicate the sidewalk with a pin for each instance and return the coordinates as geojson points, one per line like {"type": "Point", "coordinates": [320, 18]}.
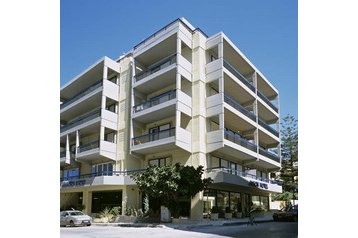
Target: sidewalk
{"type": "Point", "coordinates": [190, 224]}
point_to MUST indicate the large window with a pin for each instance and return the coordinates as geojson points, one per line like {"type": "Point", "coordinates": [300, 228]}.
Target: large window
{"type": "Point", "coordinates": [159, 162]}
{"type": "Point", "coordinates": [102, 169]}
{"type": "Point", "coordinates": [261, 201]}
{"type": "Point", "coordinates": [69, 174]}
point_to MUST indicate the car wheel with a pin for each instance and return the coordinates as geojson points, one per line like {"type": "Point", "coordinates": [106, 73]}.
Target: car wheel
{"type": "Point", "coordinates": [88, 224]}
{"type": "Point", "coordinates": [71, 223]}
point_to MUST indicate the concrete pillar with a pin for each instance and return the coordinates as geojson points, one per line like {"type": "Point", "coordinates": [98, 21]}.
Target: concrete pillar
{"type": "Point", "coordinates": [77, 142]}
{"type": "Point", "coordinates": [178, 81]}
{"type": "Point", "coordinates": [221, 49]}
{"type": "Point", "coordinates": [178, 46]}
{"type": "Point", "coordinates": [130, 198]}
{"type": "Point", "coordinates": [87, 201]}
{"type": "Point", "coordinates": [101, 133]}
{"type": "Point", "coordinates": [105, 72]}
{"type": "Point", "coordinates": [196, 212]}
{"type": "Point", "coordinates": [68, 154]}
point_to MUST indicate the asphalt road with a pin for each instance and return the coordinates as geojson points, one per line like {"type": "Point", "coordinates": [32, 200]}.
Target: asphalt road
{"type": "Point", "coordinates": [264, 230]}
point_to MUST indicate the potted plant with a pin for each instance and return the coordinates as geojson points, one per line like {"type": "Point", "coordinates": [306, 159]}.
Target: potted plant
{"type": "Point", "coordinates": [214, 215]}
{"type": "Point", "coordinates": [228, 213]}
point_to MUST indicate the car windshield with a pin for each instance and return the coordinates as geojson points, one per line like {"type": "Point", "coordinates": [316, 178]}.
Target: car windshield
{"type": "Point", "coordinates": [76, 213]}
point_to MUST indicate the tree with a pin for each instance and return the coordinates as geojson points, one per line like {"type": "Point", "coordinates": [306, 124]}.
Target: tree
{"type": "Point", "coordinates": [168, 183]}
{"type": "Point", "coordinates": [289, 153]}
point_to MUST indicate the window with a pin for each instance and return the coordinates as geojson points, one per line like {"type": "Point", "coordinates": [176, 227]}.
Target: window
{"type": "Point", "coordinates": [69, 174]}
{"type": "Point", "coordinates": [102, 169]}
{"type": "Point", "coordinates": [111, 107]}
{"type": "Point", "coordinates": [159, 162]}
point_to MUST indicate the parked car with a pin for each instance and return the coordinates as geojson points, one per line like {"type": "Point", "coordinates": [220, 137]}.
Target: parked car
{"type": "Point", "coordinates": [74, 218]}
{"type": "Point", "coordinates": [289, 213]}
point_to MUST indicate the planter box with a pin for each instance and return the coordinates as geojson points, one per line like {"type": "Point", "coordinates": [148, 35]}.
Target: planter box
{"type": "Point", "coordinates": [214, 216]}
{"type": "Point", "coordinates": [228, 215]}
{"type": "Point", "coordinates": [127, 219]}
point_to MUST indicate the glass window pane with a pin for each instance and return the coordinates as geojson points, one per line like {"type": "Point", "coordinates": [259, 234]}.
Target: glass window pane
{"type": "Point", "coordinates": [255, 200]}
{"type": "Point", "coordinates": [223, 201]}
{"type": "Point", "coordinates": [153, 162]}
{"type": "Point", "coordinates": [224, 163]}
{"type": "Point", "coordinates": [235, 202]}
{"type": "Point", "coordinates": [214, 162]}
{"type": "Point", "coordinates": [265, 202]}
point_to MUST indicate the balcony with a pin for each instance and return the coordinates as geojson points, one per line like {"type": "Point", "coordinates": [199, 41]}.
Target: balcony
{"type": "Point", "coordinates": [267, 101]}
{"type": "Point", "coordinates": [228, 135]}
{"type": "Point", "coordinates": [222, 175]}
{"type": "Point", "coordinates": [155, 101]}
{"type": "Point", "coordinates": [155, 142]}
{"type": "Point", "coordinates": [98, 149]}
{"type": "Point", "coordinates": [82, 93]}
{"type": "Point", "coordinates": [238, 75]}
{"type": "Point", "coordinates": [156, 67]}
{"type": "Point", "coordinates": [62, 154]}
{"type": "Point", "coordinates": [267, 127]}
{"type": "Point", "coordinates": [81, 120]}
{"type": "Point", "coordinates": [232, 102]}
{"type": "Point", "coordinates": [269, 154]}
{"type": "Point", "coordinates": [88, 146]}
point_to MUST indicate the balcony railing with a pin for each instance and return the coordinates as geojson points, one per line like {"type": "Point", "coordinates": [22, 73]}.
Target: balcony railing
{"type": "Point", "coordinates": [267, 127]}
{"type": "Point", "coordinates": [269, 154]}
{"type": "Point", "coordinates": [82, 93]}
{"type": "Point", "coordinates": [240, 141]}
{"type": "Point", "coordinates": [88, 146]}
{"type": "Point", "coordinates": [239, 107]}
{"type": "Point", "coordinates": [103, 173]}
{"type": "Point", "coordinates": [263, 97]}
{"type": "Point", "coordinates": [156, 67]}
{"type": "Point", "coordinates": [155, 101]}
{"type": "Point", "coordinates": [235, 72]}
{"type": "Point", "coordinates": [80, 120]}
{"type": "Point", "coordinates": [154, 136]}
{"type": "Point", "coordinates": [242, 174]}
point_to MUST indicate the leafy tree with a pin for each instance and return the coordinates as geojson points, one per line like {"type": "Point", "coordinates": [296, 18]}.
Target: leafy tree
{"type": "Point", "coordinates": [289, 152]}
{"type": "Point", "coordinates": [168, 183]}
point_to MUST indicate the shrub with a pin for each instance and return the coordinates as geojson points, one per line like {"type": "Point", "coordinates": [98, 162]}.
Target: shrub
{"type": "Point", "coordinates": [106, 213]}
{"type": "Point", "coordinates": [116, 211]}
{"type": "Point", "coordinates": [214, 209]}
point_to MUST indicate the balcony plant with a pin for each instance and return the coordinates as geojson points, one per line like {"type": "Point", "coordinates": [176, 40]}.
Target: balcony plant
{"type": "Point", "coordinates": [214, 215]}
{"type": "Point", "coordinates": [228, 213]}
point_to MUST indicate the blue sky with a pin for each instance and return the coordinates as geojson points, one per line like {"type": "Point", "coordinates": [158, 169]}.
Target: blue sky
{"type": "Point", "coordinates": [265, 31]}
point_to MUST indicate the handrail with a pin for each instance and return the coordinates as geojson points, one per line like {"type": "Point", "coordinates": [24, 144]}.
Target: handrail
{"type": "Point", "coordinates": [103, 173]}
{"type": "Point", "coordinates": [149, 103]}
{"type": "Point", "coordinates": [269, 154]}
{"type": "Point", "coordinates": [155, 66]}
{"type": "Point", "coordinates": [243, 174]}
{"type": "Point", "coordinates": [153, 136]}
{"type": "Point", "coordinates": [83, 92]}
{"type": "Point", "coordinates": [266, 100]}
{"type": "Point", "coordinates": [88, 146]}
{"type": "Point", "coordinates": [80, 119]}
{"type": "Point", "coordinates": [239, 107]}
{"type": "Point", "coordinates": [235, 72]}
{"type": "Point", "coordinates": [247, 144]}
{"type": "Point", "coordinates": [269, 128]}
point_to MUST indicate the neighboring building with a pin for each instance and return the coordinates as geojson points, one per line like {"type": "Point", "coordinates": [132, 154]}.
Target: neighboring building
{"type": "Point", "coordinates": [178, 96]}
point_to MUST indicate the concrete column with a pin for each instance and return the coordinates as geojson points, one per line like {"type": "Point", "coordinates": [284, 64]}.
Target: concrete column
{"type": "Point", "coordinates": [221, 121]}
{"type": "Point", "coordinates": [178, 81]}
{"type": "Point", "coordinates": [68, 154]}
{"type": "Point", "coordinates": [87, 201]}
{"type": "Point", "coordinates": [77, 142]}
{"type": "Point", "coordinates": [105, 72]}
{"type": "Point", "coordinates": [196, 212]}
{"type": "Point", "coordinates": [101, 133]}
{"type": "Point", "coordinates": [221, 49]}
{"type": "Point", "coordinates": [178, 45]}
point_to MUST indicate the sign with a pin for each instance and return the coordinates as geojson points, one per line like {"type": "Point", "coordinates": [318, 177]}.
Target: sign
{"type": "Point", "coordinates": [258, 184]}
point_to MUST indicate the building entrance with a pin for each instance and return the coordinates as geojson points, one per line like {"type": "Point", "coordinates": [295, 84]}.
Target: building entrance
{"type": "Point", "coordinates": [101, 200]}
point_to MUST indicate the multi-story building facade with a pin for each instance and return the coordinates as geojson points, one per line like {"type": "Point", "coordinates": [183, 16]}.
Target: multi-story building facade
{"type": "Point", "coordinates": [178, 96]}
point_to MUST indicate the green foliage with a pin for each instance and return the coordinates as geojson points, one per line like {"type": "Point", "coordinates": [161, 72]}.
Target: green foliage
{"type": "Point", "coordinates": [289, 152]}
{"type": "Point", "coordinates": [106, 213]}
{"type": "Point", "coordinates": [257, 208]}
{"type": "Point", "coordinates": [214, 209]}
{"type": "Point", "coordinates": [167, 183]}
{"type": "Point", "coordinates": [116, 211]}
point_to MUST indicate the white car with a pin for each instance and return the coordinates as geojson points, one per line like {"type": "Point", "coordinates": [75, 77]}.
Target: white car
{"type": "Point", "coordinates": [74, 218]}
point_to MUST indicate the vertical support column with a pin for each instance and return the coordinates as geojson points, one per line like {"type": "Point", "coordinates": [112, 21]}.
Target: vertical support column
{"type": "Point", "coordinates": [77, 142]}
{"type": "Point", "coordinates": [87, 201]}
{"type": "Point", "coordinates": [221, 48]}
{"type": "Point", "coordinates": [68, 154]}
{"type": "Point", "coordinates": [256, 112]}
{"type": "Point", "coordinates": [105, 72]}
{"type": "Point", "coordinates": [178, 46]}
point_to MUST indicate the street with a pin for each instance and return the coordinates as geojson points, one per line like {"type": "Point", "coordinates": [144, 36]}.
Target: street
{"type": "Point", "coordinates": [264, 230]}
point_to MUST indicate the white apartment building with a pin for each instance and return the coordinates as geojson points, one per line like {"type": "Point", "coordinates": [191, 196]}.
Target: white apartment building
{"type": "Point", "coordinates": [177, 96]}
